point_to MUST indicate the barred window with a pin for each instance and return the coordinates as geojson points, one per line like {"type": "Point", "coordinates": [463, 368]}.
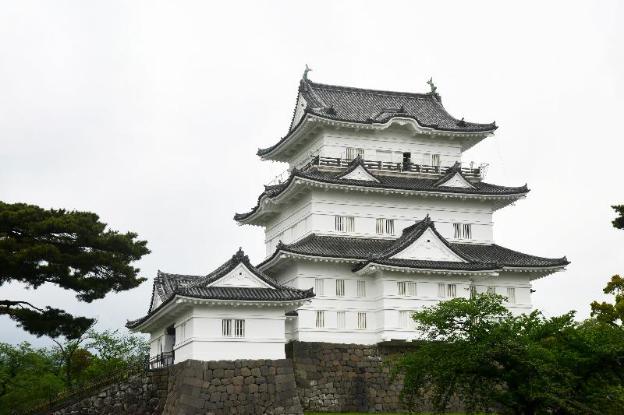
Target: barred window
{"type": "Point", "coordinates": [462, 230]}
{"type": "Point", "coordinates": [384, 226]}
{"type": "Point", "coordinates": [344, 223]}
{"type": "Point", "coordinates": [451, 291]}
{"type": "Point", "coordinates": [511, 295]}
{"type": "Point", "coordinates": [226, 328]}
{"type": "Point", "coordinates": [473, 291]}
{"type": "Point", "coordinates": [340, 288]}
{"type": "Point", "coordinates": [441, 290]}
{"type": "Point", "coordinates": [239, 328]}
{"type": "Point", "coordinates": [353, 152]}
{"type": "Point", "coordinates": [361, 320]}
{"type": "Point", "coordinates": [361, 288]}
{"type": "Point", "coordinates": [435, 160]}
{"type": "Point", "coordinates": [320, 319]}
{"type": "Point", "coordinates": [319, 286]}
{"type": "Point", "coordinates": [407, 288]}
{"type": "Point", "coordinates": [341, 319]}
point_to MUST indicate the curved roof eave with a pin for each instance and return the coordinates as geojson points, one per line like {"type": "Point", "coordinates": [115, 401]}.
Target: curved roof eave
{"type": "Point", "coordinates": [245, 218]}
{"type": "Point", "coordinates": [309, 115]}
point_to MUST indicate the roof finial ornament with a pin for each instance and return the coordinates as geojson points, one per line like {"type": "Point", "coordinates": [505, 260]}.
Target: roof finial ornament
{"type": "Point", "coordinates": [434, 89]}
{"type": "Point", "coordinates": [305, 72]}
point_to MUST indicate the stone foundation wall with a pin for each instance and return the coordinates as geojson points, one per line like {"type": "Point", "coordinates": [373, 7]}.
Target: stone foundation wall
{"type": "Point", "coordinates": [321, 377]}
{"type": "Point", "coordinates": [346, 377]}
{"type": "Point", "coordinates": [232, 387]}
{"type": "Point", "coordinates": [141, 394]}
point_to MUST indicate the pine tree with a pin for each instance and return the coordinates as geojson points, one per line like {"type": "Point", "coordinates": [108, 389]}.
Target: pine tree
{"type": "Point", "coordinates": [70, 249]}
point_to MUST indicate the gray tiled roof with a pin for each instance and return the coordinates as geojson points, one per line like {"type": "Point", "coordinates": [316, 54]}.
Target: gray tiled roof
{"type": "Point", "coordinates": [403, 182]}
{"type": "Point", "coordinates": [479, 256]}
{"type": "Point", "coordinates": [372, 106]}
{"type": "Point", "coordinates": [167, 286]}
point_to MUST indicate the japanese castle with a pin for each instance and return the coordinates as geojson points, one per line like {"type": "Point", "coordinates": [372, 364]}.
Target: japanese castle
{"type": "Point", "coordinates": [377, 217]}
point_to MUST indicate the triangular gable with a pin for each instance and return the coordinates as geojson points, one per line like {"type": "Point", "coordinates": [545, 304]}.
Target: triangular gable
{"type": "Point", "coordinates": [360, 173]}
{"type": "Point", "coordinates": [456, 180]}
{"type": "Point", "coordinates": [428, 247]}
{"type": "Point", "coordinates": [242, 277]}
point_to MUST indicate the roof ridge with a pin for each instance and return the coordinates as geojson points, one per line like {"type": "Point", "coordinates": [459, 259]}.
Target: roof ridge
{"type": "Point", "coordinates": [352, 89]}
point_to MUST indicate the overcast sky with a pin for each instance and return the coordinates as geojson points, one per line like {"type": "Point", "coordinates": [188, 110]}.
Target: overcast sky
{"type": "Point", "coordinates": [150, 113]}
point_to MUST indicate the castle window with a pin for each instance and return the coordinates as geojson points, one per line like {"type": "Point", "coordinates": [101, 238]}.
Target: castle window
{"type": "Point", "coordinates": [361, 320]}
{"type": "Point", "coordinates": [320, 319]}
{"type": "Point", "coordinates": [361, 288]}
{"type": "Point", "coordinates": [435, 160]}
{"type": "Point", "coordinates": [239, 328]}
{"type": "Point", "coordinates": [462, 230]}
{"type": "Point", "coordinates": [385, 226]}
{"type": "Point", "coordinates": [340, 319]}
{"type": "Point", "coordinates": [319, 286]}
{"type": "Point", "coordinates": [344, 223]}
{"type": "Point", "coordinates": [340, 288]}
{"type": "Point", "coordinates": [511, 295]}
{"type": "Point", "coordinates": [406, 288]}
{"type": "Point", "coordinates": [353, 152]}
{"type": "Point", "coordinates": [473, 291]}
{"type": "Point", "coordinates": [231, 327]}
{"type": "Point", "coordinates": [447, 290]}
{"type": "Point", "coordinates": [451, 291]}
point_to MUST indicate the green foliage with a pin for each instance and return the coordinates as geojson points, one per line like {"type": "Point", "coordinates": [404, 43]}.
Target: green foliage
{"type": "Point", "coordinates": [476, 351]}
{"type": "Point", "coordinates": [72, 250]}
{"type": "Point", "coordinates": [618, 222]}
{"type": "Point", "coordinates": [611, 313]}
{"type": "Point", "coordinates": [29, 376]}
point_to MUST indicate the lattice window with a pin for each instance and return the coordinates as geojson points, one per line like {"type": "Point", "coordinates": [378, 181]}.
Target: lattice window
{"type": "Point", "coordinates": [353, 152]}
{"type": "Point", "coordinates": [319, 286]}
{"type": "Point", "coordinates": [451, 291]}
{"type": "Point", "coordinates": [239, 328]}
{"type": "Point", "coordinates": [320, 319]}
{"type": "Point", "coordinates": [226, 328]}
{"type": "Point", "coordinates": [340, 288]}
{"type": "Point", "coordinates": [344, 223]}
{"type": "Point", "coordinates": [384, 226]}
{"type": "Point", "coordinates": [361, 288]}
{"type": "Point", "coordinates": [511, 295]}
{"type": "Point", "coordinates": [435, 160]}
{"type": "Point", "coordinates": [441, 290]}
{"type": "Point", "coordinates": [473, 291]}
{"type": "Point", "coordinates": [407, 288]}
{"type": "Point", "coordinates": [361, 320]}
{"type": "Point", "coordinates": [462, 230]}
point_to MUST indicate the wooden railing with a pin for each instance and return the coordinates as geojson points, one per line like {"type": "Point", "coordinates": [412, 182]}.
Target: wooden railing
{"type": "Point", "coordinates": [161, 360]}
{"type": "Point", "coordinates": [338, 162]}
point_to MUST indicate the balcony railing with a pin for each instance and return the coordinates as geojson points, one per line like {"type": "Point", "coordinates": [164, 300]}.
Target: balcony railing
{"type": "Point", "coordinates": [161, 360]}
{"type": "Point", "coordinates": [469, 172]}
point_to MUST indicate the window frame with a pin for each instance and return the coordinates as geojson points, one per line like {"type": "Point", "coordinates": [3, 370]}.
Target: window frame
{"type": "Point", "coordinates": [320, 319]}
{"type": "Point", "coordinates": [340, 287]}
{"type": "Point", "coordinates": [361, 320]}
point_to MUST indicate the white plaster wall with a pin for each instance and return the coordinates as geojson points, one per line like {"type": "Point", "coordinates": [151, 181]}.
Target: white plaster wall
{"type": "Point", "coordinates": [382, 303]}
{"type": "Point", "coordinates": [386, 145]}
{"type": "Point", "coordinates": [265, 334]}
{"type": "Point", "coordinates": [315, 213]}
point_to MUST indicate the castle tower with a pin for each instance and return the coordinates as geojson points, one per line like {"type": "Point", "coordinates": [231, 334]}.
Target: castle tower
{"type": "Point", "coordinates": [380, 216]}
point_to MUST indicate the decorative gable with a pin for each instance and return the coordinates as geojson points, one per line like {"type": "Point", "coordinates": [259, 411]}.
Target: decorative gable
{"type": "Point", "coordinates": [360, 173]}
{"type": "Point", "coordinates": [428, 247]}
{"type": "Point", "coordinates": [457, 180]}
{"type": "Point", "coordinates": [241, 277]}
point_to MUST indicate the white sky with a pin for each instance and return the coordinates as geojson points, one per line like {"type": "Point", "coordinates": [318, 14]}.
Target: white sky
{"type": "Point", "coordinates": [150, 113]}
